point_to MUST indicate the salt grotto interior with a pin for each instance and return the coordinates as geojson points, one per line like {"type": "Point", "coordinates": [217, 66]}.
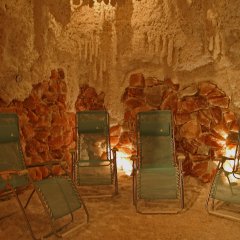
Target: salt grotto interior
{"type": "Point", "coordinates": [123, 57]}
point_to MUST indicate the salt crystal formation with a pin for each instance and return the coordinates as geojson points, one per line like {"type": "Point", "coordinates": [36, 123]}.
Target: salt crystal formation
{"type": "Point", "coordinates": [100, 44]}
{"type": "Point", "coordinates": [47, 129]}
{"type": "Point", "coordinates": [202, 119]}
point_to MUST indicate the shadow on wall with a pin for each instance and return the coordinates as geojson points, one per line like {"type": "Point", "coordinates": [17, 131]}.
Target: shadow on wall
{"type": "Point", "coordinates": [124, 29]}
{"type": "Point", "coordinates": [61, 10]}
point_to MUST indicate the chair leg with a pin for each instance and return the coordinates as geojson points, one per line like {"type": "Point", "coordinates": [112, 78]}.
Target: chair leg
{"type": "Point", "coordinates": [116, 179]}
{"type": "Point", "coordinates": [29, 198]}
{"type": "Point", "coordinates": [115, 173]}
{"type": "Point", "coordinates": [182, 191]}
{"type": "Point", "coordinates": [55, 231]}
{"type": "Point", "coordinates": [84, 206]}
{"type": "Point", "coordinates": [51, 221]}
{"type": "Point", "coordinates": [134, 187]}
{"type": "Point", "coordinates": [24, 213]}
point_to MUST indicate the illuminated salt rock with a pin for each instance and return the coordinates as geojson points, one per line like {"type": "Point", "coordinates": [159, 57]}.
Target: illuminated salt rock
{"type": "Point", "coordinates": [188, 91]}
{"type": "Point", "coordinates": [155, 94]}
{"type": "Point", "coordinates": [190, 129]}
{"type": "Point", "coordinates": [229, 116]}
{"type": "Point", "coordinates": [216, 113]}
{"type": "Point", "coordinates": [222, 102]}
{"type": "Point", "coordinates": [189, 145]}
{"type": "Point", "coordinates": [134, 103]}
{"type": "Point", "coordinates": [206, 87]}
{"type": "Point", "coordinates": [211, 140]}
{"type": "Point", "coordinates": [181, 118]}
{"type": "Point", "coordinates": [170, 101]}
{"type": "Point", "coordinates": [204, 117]}
{"type": "Point", "coordinates": [137, 80]}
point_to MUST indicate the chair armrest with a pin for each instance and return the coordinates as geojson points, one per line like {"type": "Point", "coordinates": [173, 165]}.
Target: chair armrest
{"type": "Point", "coordinates": [48, 164]}
{"type": "Point", "coordinates": [73, 151]}
{"type": "Point", "coordinates": [224, 158]}
{"type": "Point", "coordinates": [7, 174]}
{"type": "Point", "coordinates": [18, 172]}
{"type": "Point", "coordinates": [114, 153]}
{"type": "Point", "coordinates": [114, 149]}
{"type": "Point", "coordinates": [180, 158]}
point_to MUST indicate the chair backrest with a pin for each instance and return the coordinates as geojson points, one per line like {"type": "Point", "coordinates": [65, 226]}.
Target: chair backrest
{"type": "Point", "coordinates": [155, 139]}
{"type": "Point", "coordinates": [11, 157]}
{"type": "Point", "coordinates": [93, 135]}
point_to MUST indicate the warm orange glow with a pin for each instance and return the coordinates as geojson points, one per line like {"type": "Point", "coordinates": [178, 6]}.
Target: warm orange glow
{"type": "Point", "coordinates": [230, 151]}
{"type": "Point", "coordinates": [224, 135]}
{"type": "Point", "coordinates": [124, 163]}
{"type": "Point", "coordinates": [229, 164]}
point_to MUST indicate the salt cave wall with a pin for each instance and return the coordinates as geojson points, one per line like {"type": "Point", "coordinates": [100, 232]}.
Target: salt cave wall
{"type": "Point", "coordinates": [100, 44]}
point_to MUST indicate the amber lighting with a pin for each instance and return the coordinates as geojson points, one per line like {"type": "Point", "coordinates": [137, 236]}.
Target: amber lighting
{"type": "Point", "coordinates": [229, 164]}
{"type": "Point", "coordinates": [124, 163]}
{"type": "Point", "coordinates": [230, 151]}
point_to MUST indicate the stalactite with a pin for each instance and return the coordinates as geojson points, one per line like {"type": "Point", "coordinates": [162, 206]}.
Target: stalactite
{"type": "Point", "coordinates": [113, 13]}
{"type": "Point", "coordinates": [217, 46]}
{"type": "Point", "coordinates": [80, 49]}
{"type": "Point", "coordinates": [210, 46]}
{"type": "Point", "coordinates": [164, 49]}
{"type": "Point", "coordinates": [104, 62]}
{"type": "Point", "coordinates": [223, 44]}
{"type": "Point", "coordinates": [95, 71]}
{"type": "Point", "coordinates": [114, 46]}
{"type": "Point", "coordinates": [170, 52]}
{"type": "Point", "coordinates": [157, 44]}
{"type": "Point", "coordinates": [150, 43]}
{"type": "Point", "coordinates": [101, 68]}
{"type": "Point", "coordinates": [94, 45]}
{"type": "Point", "coordinates": [97, 46]}
{"type": "Point", "coordinates": [91, 50]}
{"type": "Point", "coordinates": [85, 49]}
{"type": "Point", "coordinates": [102, 14]}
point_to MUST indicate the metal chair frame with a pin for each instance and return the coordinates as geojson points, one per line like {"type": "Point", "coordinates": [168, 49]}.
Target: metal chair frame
{"type": "Point", "coordinates": [111, 160]}
{"type": "Point", "coordinates": [24, 172]}
{"type": "Point", "coordinates": [137, 161]}
{"type": "Point", "coordinates": [211, 202]}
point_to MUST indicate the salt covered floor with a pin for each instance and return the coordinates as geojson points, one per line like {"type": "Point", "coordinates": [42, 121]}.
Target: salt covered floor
{"type": "Point", "coordinates": [116, 219]}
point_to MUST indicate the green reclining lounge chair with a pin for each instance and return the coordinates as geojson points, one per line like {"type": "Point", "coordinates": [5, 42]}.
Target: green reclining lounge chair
{"type": "Point", "coordinates": [224, 195]}
{"type": "Point", "coordinates": [57, 194]}
{"type": "Point", "coordinates": [157, 179]}
{"type": "Point", "coordinates": [94, 162]}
